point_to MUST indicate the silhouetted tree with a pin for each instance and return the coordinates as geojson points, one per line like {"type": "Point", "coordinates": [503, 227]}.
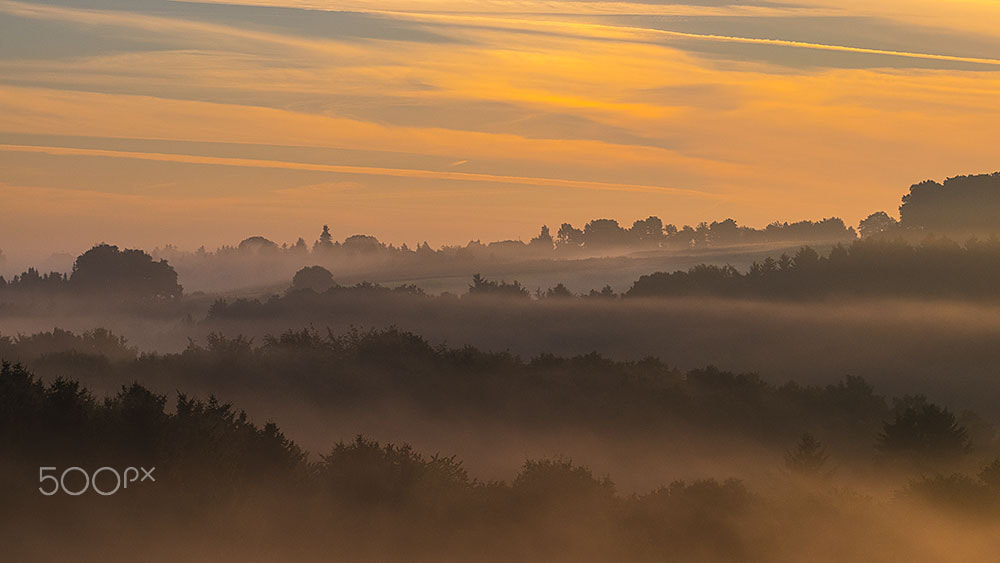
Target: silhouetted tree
{"type": "Point", "coordinates": [871, 266]}
{"type": "Point", "coordinates": [362, 244]}
{"type": "Point", "coordinates": [604, 233]}
{"type": "Point", "coordinates": [725, 232]}
{"type": "Point", "coordinates": [558, 480]}
{"type": "Point", "coordinates": [507, 248]}
{"type": "Point", "coordinates": [482, 287]}
{"type": "Point", "coordinates": [876, 224]}
{"type": "Point", "coordinates": [316, 278]}
{"type": "Point", "coordinates": [606, 292]}
{"type": "Point", "coordinates": [966, 204]}
{"type": "Point", "coordinates": [106, 270]}
{"type": "Point", "coordinates": [543, 242]}
{"type": "Point", "coordinates": [648, 231]}
{"type": "Point", "coordinates": [325, 241]}
{"type": "Point", "coordinates": [569, 237]}
{"type": "Point", "coordinates": [366, 473]}
{"type": "Point", "coordinates": [687, 236]}
{"type": "Point", "coordinates": [560, 291]}
{"type": "Point", "coordinates": [31, 281]}
{"type": "Point", "coordinates": [257, 245]}
{"type": "Point", "coordinates": [922, 433]}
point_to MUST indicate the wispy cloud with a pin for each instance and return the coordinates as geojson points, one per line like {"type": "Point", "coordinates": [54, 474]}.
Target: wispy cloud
{"type": "Point", "coordinates": [365, 170]}
{"type": "Point", "coordinates": [494, 112]}
{"type": "Point", "coordinates": [176, 28]}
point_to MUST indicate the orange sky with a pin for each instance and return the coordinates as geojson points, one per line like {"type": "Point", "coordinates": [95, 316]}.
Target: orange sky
{"type": "Point", "coordinates": [150, 122]}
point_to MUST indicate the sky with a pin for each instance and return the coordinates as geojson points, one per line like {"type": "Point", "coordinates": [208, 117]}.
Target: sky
{"type": "Point", "coordinates": [144, 123]}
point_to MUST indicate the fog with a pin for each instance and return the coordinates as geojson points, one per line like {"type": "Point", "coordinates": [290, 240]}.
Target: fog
{"type": "Point", "coordinates": [603, 495]}
{"type": "Point", "coordinates": [944, 349]}
{"type": "Point", "coordinates": [584, 425]}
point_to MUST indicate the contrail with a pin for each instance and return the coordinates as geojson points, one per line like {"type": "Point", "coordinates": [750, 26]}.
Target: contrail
{"type": "Point", "coordinates": [155, 22]}
{"type": "Point", "coordinates": [821, 46]}
{"type": "Point", "coordinates": [483, 21]}
{"type": "Point", "coordinates": [363, 170]}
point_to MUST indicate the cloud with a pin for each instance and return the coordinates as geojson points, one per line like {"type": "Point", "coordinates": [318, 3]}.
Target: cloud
{"type": "Point", "coordinates": [101, 115]}
{"type": "Point", "coordinates": [365, 170]}
{"type": "Point", "coordinates": [556, 110]}
{"type": "Point", "coordinates": [219, 36]}
{"type": "Point", "coordinates": [295, 26]}
{"type": "Point", "coordinates": [636, 32]}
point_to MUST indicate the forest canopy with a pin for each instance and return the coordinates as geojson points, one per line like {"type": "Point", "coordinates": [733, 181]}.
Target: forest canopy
{"type": "Point", "coordinates": [963, 204]}
{"type": "Point", "coordinates": [880, 267]}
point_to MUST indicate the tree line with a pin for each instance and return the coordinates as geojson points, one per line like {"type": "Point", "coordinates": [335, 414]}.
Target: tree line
{"type": "Point", "coordinates": [870, 267]}
{"type": "Point", "coordinates": [961, 205]}
{"type": "Point", "coordinates": [589, 392]}
{"type": "Point", "coordinates": [595, 236]}
{"type": "Point", "coordinates": [882, 267]}
{"type": "Point", "coordinates": [873, 266]}
{"type": "Point", "coordinates": [902, 257]}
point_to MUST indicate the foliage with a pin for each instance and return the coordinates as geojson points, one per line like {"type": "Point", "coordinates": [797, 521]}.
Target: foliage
{"type": "Point", "coordinates": [482, 287]}
{"type": "Point", "coordinates": [588, 392]}
{"type": "Point", "coordinates": [104, 272]}
{"type": "Point", "coordinates": [964, 204]}
{"type": "Point", "coordinates": [315, 278]}
{"type": "Point", "coordinates": [869, 267]}
{"type": "Point", "coordinates": [225, 482]}
{"type": "Point", "coordinates": [808, 457]}
{"type": "Point", "coordinates": [922, 433]}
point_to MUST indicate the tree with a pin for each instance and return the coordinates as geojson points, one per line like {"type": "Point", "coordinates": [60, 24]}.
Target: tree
{"type": "Point", "coordinates": [785, 262]}
{"type": "Point", "coordinates": [569, 237]}
{"type": "Point", "coordinates": [605, 293]}
{"type": "Point", "coordinates": [604, 233]}
{"type": "Point", "coordinates": [257, 245]}
{"type": "Point", "coordinates": [316, 278]}
{"type": "Point", "coordinates": [922, 433]}
{"type": "Point", "coordinates": [963, 204]}
{"type": "Point", "coordinates": [482, 287]}
{"type": "Point", "coordinates": [104, 269]}
{"type": "Point", "coordinates": [559, 481]}
{"type": "Point", "coordinates": [723, 232]}
{"type": "Point", "coordinates": [648, 230]}
{"type": "Point", "coordinates": [808, 457]}
{"type": "Point", "coordinates": [875, 224]}
{"type": "Point", "coordinates": [362, 244]}
{"type": "Point", "coordinates": [805, 258]}
{"type": "Point", "coordinates": [367, 473]}
{"type": "Point", "coordinates": [543, 241]}
{"type": "Point", "coordinates": [424, 249]}
{"type": "Point", "coordinates": [325, 242]}
{"type": "Point", "coordinates": [701, 233]}
{"type": "Point", "coordinates": [560, 291]}
{"type": "Point", "coordinates": [687, 236]}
